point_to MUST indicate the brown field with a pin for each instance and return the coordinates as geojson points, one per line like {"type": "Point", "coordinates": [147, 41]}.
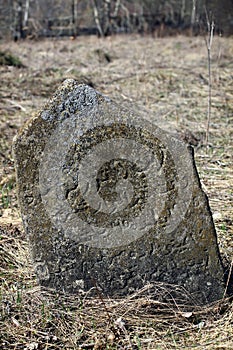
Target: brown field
{"type": "Point", "coordinates": [167, 78]}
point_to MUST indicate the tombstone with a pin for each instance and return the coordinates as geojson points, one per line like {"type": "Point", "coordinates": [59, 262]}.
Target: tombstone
{"type": "Point", "coordinates": [110, 200]}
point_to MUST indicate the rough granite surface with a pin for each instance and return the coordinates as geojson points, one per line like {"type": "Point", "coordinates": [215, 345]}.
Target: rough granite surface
{"type": "Point", "coordinates": [109, 200]}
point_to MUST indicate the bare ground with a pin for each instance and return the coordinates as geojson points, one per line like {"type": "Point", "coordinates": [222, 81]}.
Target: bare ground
{"type": "Point", "coordinates": [169, 78]}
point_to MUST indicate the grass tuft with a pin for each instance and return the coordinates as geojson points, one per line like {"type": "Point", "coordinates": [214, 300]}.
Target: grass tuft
{"type": "Point", "coordinates": [8, 59]}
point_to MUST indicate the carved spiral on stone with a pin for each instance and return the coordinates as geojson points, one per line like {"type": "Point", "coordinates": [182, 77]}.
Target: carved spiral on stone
{"type": "Point", "coordinates": [106, 180]}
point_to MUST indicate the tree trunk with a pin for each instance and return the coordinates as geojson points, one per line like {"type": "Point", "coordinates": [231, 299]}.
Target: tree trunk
{"type": "Point", "coordinates": [106, 17]}
{"type": "Point", "coordinates": [18, 22]}
{"type": "Point", "coordinates": [193, 16]}
{"type": "Point", "coordinates": [116, 10]}
{"type": "Point", "coordinates": [74, 18]}
{"type": "Point", "coordinates": [97, 19]}
{"type": "Point", "coordinates": [26, 13]}
{"type": "Point", "coordinates": [25, 19]}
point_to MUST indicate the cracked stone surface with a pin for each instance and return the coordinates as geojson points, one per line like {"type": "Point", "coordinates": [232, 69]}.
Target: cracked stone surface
{"type": "Point", "coordinates": [107, 199]}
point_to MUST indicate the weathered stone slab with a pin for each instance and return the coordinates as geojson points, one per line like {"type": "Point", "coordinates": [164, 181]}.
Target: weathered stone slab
{"type": "Point", "coordinates": [109, 199]}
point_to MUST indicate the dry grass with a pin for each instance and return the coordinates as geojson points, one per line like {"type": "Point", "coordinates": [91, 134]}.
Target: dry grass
{"type": "Point", "coordinates": [35, 318]}
{"type": "Point", "coordinates": [169, 78]}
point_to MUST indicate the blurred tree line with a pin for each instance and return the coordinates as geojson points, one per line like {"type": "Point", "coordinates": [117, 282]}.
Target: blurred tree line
{"type": "Point", "coordinates": [38, 18]}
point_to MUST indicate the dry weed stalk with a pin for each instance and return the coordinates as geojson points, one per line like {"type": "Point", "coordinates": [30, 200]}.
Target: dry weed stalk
{"type": "Point", "coordinates": [229, 277]}
{"type": "Point", "coordinates": [209, 41]}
